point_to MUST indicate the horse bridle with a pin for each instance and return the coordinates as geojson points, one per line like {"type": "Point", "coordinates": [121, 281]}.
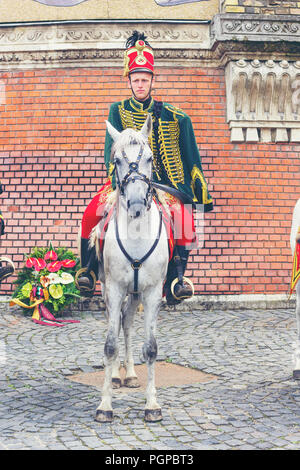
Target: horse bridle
{"type": "Point", "coordinates": [132, 175]}
{"type": "Point", "coordinates": [137, 263]}
{"type": "Point", "coordinates": [129, 177]}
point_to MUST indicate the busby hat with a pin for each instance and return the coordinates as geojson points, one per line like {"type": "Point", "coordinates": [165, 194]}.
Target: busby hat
{"type": "Point", "coordinates": [138, 56]}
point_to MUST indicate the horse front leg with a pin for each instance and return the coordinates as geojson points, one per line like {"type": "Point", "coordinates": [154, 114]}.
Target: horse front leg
{"type": "Point", "coordinates": [130, 309]}
{"type": "Point", "coordinates": [151, 302]}
{"type": "Point", "coordinates": [296, 371]}
{"type": "Point", "coordinates": [116, 367]}
{"type": "Point", "coordinates": [113, 299]}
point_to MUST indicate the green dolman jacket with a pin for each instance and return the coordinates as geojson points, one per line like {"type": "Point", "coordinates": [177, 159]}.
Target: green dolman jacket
{"type": "Point", "coordinates": [175, 152]}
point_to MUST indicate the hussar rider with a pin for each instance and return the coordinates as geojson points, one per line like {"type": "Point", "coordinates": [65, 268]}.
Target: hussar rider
{"type": "Point", "coordinates": [177, 169]}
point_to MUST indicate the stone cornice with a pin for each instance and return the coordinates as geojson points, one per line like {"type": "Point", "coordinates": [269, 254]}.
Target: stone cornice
{"type": "Point", "coordinates": [254, 36]}
{"type": "Point", "coordinates": [104, 35]}
{"type": "Point", "coordinates": [254, 27]}
{"type": "Point", "coordinates": [99, 44]}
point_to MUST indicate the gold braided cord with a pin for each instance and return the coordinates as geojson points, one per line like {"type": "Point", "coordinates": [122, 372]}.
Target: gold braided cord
{"type": "Point", "coordinates": [104, 193]}
{"type": "Point", "coordinates": [168, 132]}
{"type": "Point", "coordinates": [171, 158]}
{"type": "Point", "coordinates": [196, 173]}
{"type": "Point", "coordinates": [126, 65]}
{"type": "Point", "coordinates": [136, 121]}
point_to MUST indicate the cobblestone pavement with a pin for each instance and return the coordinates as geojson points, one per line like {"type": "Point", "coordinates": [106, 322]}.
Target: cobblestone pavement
{"type": "Point", "coordinates": [253, 404]}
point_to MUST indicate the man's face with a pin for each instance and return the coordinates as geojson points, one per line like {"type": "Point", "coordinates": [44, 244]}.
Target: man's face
{"type": "Point", "coordinates": [141, 84]}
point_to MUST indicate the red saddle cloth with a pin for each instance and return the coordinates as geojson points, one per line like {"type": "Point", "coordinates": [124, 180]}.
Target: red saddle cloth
{"type": "Point", "coordinates": [183, 230]}
{"type": "Point", "coordinates": [166, 219]}
{"type": "Point", "coordinates": [296, 268]}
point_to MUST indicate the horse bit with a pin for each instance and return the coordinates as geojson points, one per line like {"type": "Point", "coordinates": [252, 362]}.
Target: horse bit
{"type": "Point", "coordinates": [134, 168]}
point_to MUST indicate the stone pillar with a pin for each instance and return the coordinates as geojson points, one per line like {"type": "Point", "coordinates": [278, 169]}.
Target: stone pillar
{"type": "Point", "coordinates": [259, 41]}
{"type": "Point", "coordinates": [263, 101]}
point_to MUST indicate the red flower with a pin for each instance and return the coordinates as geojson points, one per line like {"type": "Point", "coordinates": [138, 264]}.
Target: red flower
{"type": "Point", "coordinates": [30, 262]}
{"type": "Point", "coordinates": [68, 263]}
{"type": "Point", "coordinates": [51, 255]}
{"type": "Point", "coordinates": [54, 266]}
{"type": "Point", "coordinates": [39, 264]}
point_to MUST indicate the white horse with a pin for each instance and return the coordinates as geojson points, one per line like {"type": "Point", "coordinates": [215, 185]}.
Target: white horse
{"type": "Point", "coordinates": [133, 265]}
{"type": "Point", "coordinates": [295, 238]}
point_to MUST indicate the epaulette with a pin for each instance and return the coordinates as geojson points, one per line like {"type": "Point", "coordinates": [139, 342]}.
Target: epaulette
{"type": "Point", "coordinates": [174, 110]}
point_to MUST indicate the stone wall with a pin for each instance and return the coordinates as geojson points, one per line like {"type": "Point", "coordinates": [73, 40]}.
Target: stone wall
{"type": "Point", "coordinates": [51, 163]}
{"type": "Point", "coordinates": [33, 10]}
{"type": "Point", "coordinates": [263, 7]}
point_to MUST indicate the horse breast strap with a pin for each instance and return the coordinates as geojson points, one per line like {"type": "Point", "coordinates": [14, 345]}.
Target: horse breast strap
{"type": "Point", "coordinates": [137, 263]}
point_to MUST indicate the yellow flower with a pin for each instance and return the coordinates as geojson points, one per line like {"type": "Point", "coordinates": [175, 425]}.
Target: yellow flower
{"type": "Point", "coordinates": [56, 291]}
{"type": "Point", "coordinates": [26, 289]}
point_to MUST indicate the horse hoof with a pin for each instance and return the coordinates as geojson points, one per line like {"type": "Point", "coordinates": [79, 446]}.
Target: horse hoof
{"type": "Point", "coordinates": [151, 416]}
{"type": "Point", "coordinates": [104, 416]}
{"type": "Point", "coordinates": [116, 382]}
{"type": "Point", "coordinates": [296, 374]}
{"type": "Point", "coordinates": [131, 382]}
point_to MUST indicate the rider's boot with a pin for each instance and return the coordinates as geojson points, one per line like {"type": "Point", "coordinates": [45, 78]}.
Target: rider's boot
{"type": "Point", "coordinates": [86, 277]}
{"type": "Point", "coordinates": [177, 287]}
{"type": "Point", "coordinates": [7, 270]}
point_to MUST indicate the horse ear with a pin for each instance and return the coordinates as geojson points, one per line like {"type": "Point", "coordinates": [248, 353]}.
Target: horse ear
{"type": "Point", "coordinates": [147, 127]}
{"type": "Point", "coordinates": [112, 131]}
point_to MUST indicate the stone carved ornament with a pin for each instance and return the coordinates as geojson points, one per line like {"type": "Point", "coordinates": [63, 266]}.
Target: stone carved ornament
{"type": "Point", "coordinates": [263, 100]}
{"type": "Point", "coordinates": [253, 27]}
{"type": "Point", "coordinates": [111, 36]}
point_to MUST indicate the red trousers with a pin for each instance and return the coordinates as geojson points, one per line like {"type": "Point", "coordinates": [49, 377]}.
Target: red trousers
{"type": "Point", "coordinates": [181, 214]}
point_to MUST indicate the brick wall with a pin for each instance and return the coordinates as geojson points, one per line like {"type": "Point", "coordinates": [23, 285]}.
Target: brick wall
{"type": "Point", "coordinates": [51, 163]}
{"type": "Point", "coordinates": [264, 7]}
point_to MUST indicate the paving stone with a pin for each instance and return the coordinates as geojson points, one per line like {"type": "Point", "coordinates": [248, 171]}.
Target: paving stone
{"type": "Point", "coordinates": [253, 404]}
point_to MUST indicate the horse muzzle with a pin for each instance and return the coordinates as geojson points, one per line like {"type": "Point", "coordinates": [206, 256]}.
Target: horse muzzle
{"type": "Point", "coordinates": [136, 209]}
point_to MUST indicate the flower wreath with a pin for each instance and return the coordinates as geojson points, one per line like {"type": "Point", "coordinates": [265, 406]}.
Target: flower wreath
{"type": "Point", "coordinates": [46, 284]}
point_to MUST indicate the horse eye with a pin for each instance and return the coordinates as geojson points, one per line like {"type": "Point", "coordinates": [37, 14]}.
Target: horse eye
{"type": "Point", "coordinates": [149, 159]}
{"type": "Point", "coordinates": [117, 161]}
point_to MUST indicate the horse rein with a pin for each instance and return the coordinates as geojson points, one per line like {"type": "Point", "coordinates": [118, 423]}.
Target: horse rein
{"type": "Point", "coordinates": [137, 263]}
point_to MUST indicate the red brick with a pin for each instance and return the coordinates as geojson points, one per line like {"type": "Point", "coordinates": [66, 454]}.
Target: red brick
{"type": "Point", "coordinates": [51, 161]}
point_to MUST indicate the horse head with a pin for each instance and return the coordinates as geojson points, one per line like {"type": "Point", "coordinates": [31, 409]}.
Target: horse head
{"type": "Point", "coordinates": [132, 158]}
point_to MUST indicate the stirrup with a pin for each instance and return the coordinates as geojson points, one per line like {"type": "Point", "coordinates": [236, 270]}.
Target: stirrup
{"type": "Point", "coordinates": [85, 289]}
{"type": "Point", "coordinates": [188, 281]}
{"type": "Point", "coordinates": [10, 272]}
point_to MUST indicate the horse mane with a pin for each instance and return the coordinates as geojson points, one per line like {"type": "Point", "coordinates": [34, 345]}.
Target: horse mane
{"type": "Point", "coordinates": [96, 231]}
{"type": "Point", "coordinates": [128, 137]}
{"type": "Point", "coordinates": [94, 241]}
